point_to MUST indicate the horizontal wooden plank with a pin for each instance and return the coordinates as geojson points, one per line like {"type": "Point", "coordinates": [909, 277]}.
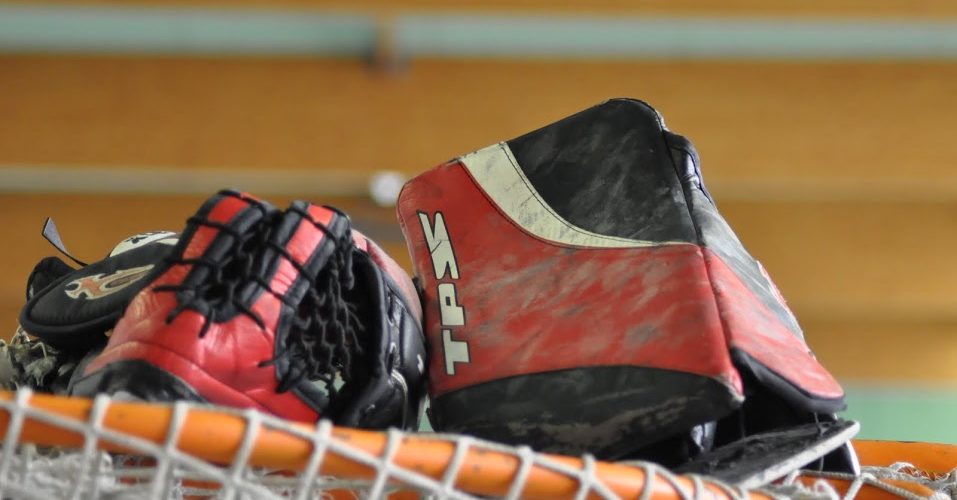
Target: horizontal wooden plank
{"type": "Point", "coordinates": [848, 259]}
{"type": "Point", "coordinates": [885, 351]}
{"type": "Point", "coordinates": [872, 285]}
{"type": "Point", "coordinates": [48, 179]}
{"type": "Point", "coordinates": [383, 186]}
{"type": "Point", "coordinates": [843, 8]}
{"type": "Point", "coordinates": [768, 120]}
{"type": "Point", "coordinates": [831, 260]}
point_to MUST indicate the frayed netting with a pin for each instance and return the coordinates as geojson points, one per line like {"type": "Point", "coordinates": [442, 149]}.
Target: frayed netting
{"type": "Point", "coordinates": [943, 485]}
{"type": "Point", "coordinates": [155, 465]}
{"type": "Point", "coordinates": [816, 486]}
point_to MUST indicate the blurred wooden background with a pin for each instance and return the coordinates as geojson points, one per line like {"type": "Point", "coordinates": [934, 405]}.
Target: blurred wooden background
{"type": "Point", "coordinates": [839, 175]}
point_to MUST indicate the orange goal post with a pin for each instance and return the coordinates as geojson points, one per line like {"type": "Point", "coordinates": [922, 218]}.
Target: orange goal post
{"type": "Point", "coordinates": [59, 447]}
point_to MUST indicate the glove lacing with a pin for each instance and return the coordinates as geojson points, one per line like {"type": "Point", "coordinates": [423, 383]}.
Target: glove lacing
{"type": "Point", "coordinates": [322, 341]}
{"type": "Point", "coordinates": [225, 276]}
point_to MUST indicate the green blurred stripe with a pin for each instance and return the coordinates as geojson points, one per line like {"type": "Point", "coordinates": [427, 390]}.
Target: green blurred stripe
{"type": "Point", "coordinates": [675, 38]}
{"type": "Point", "coordinates": [904, 413]}
{"type": "Point", "coordinates": [184, 30]}
{"type": "Point", "coordinates": [90, 29]}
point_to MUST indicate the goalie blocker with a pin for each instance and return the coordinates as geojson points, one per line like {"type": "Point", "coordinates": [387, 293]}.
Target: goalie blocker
{"type": "Point", "coordinates": [583, 294]}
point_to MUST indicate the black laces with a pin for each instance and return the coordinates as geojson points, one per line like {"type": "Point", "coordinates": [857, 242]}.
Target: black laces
{"type": "Point", "coordinates": [224, 276]}
{"type": "Point", "coordinates": [322, 340]}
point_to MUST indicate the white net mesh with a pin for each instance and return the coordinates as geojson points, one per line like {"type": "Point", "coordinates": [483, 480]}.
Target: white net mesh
{"type": "Point", "coordinates": [112, 449]}
{"type": "Point", "coordinates": [802, 485]}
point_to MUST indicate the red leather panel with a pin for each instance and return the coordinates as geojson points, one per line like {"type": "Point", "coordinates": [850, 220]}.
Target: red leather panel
{"type": "Point", "coordinates": [223, 366]}
{"type": "Point", "coordinates": [756, 330]}
{"type": "Point", "coordinates": [533, 306]}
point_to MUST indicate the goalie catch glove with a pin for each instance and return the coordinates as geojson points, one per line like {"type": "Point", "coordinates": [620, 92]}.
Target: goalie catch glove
{"type": "Point", "coordinates": [289, 312]}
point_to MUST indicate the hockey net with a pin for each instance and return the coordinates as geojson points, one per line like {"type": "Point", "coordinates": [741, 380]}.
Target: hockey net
{"type": "Point", "coordinates": [56, 447]}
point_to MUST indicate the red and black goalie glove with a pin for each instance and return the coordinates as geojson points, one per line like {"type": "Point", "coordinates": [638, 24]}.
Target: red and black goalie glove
{"type": "Point", "coordinates": [290, 312]}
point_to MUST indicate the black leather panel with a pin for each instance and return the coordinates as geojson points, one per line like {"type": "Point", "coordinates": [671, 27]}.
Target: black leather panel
{"type": "Point", "coordinates": [716, 235]}
{"type": "Point", "coordinates": [614, 169]}
{"type": "Point", "coordinates": [574, 411]}
{"type": "Point", "coordinates": [608, 170]}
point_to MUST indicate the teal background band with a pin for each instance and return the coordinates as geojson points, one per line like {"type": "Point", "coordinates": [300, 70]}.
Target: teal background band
{"type": "Point", "coordinates": [904, 413]}
{"type": "Point", "coordinates": [245, 31]}
{"type": "Point", "coordinates": [162, 30]}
